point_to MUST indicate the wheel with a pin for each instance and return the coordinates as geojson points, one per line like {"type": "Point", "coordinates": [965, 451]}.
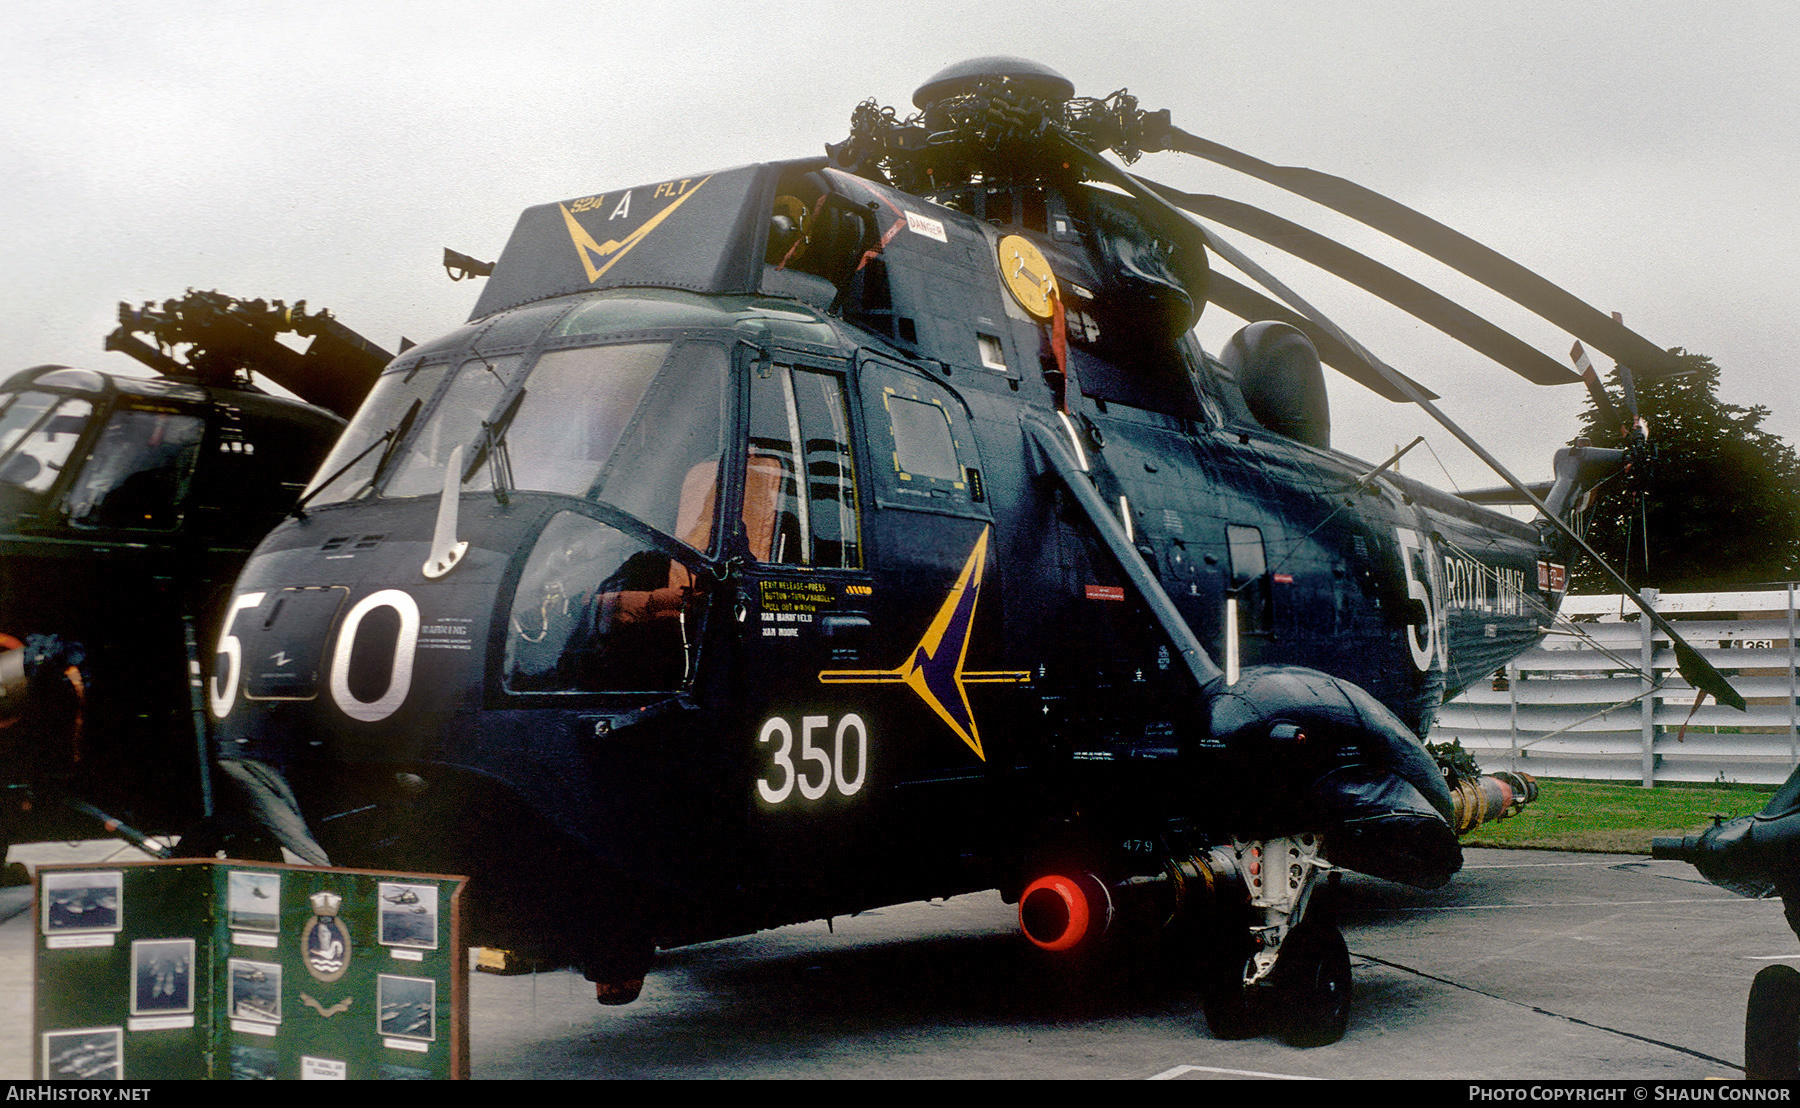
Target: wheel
{"type": "Point", "coordinates": [1312, 985]}
{"type": "Point", "coordinates": [1232, 1010]}
{"type": "Point", "coordinates": [1772, 1026]}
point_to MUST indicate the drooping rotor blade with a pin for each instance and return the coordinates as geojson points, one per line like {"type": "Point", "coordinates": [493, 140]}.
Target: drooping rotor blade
{"type": "Point", "coordinates": [1251, 306]}
{"type": "Point", "coordinates": [1453, 248]}
{"type": "Point", "coordinates": [1352, 357]}
{"type": "Point", "coordinates": [1396, 288]}
{"type": "Point", "coordinates": [1626, 382]}
{"type": "Point", "coordinates": [1699, 672]}
{"type": "Point", "coordinates": [1505, 494]}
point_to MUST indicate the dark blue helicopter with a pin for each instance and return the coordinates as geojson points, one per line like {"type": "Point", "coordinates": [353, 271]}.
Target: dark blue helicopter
{"type": "Point", "coordinates": [784, 541]}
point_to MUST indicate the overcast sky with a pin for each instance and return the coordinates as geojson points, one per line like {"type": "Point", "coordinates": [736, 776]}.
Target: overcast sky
{"type": "Point", "coordinates": [1643, 155]}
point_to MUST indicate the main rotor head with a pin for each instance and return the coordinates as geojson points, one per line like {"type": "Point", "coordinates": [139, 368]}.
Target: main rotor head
{"type": "Point", "coordinates": [994, 119]}
{"type": "Point", "coordinates": [1038, 81]}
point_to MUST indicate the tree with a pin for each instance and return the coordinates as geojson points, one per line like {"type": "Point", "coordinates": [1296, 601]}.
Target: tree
{"type": "Point", "coordinates": [1720, 505]}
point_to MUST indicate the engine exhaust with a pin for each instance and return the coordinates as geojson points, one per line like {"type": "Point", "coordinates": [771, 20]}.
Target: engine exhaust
{"type": "Point", "coordinates": [1480, 800]}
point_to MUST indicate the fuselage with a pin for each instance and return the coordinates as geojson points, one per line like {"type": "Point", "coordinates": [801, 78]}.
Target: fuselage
{"type": "Point", "coordinates": [738, 593]}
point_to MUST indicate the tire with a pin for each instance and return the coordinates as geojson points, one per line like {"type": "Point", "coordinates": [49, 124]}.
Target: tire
{"type": "Point", "coordinates": [1312, 985]}
{"type": "Point", "coordinates": [1772, 1026]}
{"type": "Point", "coordinates": [1232, 1010]}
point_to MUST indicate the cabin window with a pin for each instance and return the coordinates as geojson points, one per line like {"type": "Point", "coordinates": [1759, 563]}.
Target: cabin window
{"type": "Point", "coordinates": [138, 472]}
{"type": "Point", "coordinates": [922, 452]}
{"type": "Point", "coordinates": [922, 444]}
{"type": "Point", "coordinates": [800, 503]}
{"type": "Point", "coordinates": [1250, 579]}
{"type": "Point", "coordinates": [1247, 561]}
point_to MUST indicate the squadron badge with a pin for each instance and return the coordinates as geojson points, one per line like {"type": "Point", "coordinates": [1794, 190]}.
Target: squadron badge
{"type": "Point", "coordinates": [325, 944]}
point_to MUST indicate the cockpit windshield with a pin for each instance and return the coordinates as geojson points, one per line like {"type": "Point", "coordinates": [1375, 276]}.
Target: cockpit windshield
{"type": "Point", "coordinates": [638, 425]}
{"type": "Point", "coordinates": [137, 473]}
{"type": "Point", "coordinates": [454, 420]}
{"type": "Point", "coordinates": [38, 430]}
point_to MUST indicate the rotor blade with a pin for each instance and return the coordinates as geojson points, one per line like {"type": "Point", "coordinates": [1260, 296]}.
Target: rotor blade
{"type": "Point", "coordinates": [1698, 671]}
{"type": "Point", "coordinates": [1506, 494]}
{"type": "Point", "coordinates": [1453, 248]}
{"type": "Point", "coordinates": [1630, 388]}
{"type": "Point", "coordinates": [1591, 379]}
{"type": "Point", "coordinates": [1316, 321]}
{"type": "Point", "coordinates": [1251, 306]}
{"type": "Point", "coordinates": [1626, 382]}
{"type": "Point", "coordinates": [1396, 288]}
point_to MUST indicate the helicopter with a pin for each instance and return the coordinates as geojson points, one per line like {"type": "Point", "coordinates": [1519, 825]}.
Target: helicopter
{"type": "Point", "coordinates": [789, 540]}
{"type": "Point", "coordinates": [127, 507]}
{"type": "Point", "coordinates": [1758, 856]}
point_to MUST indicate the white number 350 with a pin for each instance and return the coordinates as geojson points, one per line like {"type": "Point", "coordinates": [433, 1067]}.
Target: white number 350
{"type": "Point", "coordinates": [830, 772]}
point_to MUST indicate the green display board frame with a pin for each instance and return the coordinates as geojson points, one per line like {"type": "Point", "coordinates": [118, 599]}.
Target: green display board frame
{"type": "Point", "coordinates": [248, 970]}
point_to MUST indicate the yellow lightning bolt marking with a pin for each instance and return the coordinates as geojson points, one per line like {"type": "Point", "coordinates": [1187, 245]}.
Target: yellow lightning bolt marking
{"type": "Point", "coordinates": [586, 248]}
{"type": "Point", "coordinates": [930, 657]}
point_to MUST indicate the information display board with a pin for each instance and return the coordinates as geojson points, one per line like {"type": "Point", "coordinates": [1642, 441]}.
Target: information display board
{"type": "Point", "coordinates": [208, 969]}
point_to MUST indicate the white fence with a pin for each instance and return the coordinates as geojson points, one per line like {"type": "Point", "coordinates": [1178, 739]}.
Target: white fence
{"type": "Point", "coordinates": [1581, 705]}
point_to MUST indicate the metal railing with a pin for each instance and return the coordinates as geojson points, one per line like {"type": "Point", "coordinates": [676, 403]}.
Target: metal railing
{"type": "Point", "coordinates": [1600, 697]}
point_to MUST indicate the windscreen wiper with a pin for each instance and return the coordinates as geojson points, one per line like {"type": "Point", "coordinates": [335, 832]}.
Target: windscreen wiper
{"type": "Point", "coordinates": [391, 438]}
{"type": "Point", "coordinates": [492, 446]}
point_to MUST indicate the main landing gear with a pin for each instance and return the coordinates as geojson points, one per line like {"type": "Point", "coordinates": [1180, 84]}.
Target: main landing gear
{"type": "Point", "coordinates": [1289, 970]}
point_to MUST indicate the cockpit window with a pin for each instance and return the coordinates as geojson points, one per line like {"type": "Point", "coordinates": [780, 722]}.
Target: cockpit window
{"type": "Point", "coordinates": [357, 449]}
{"type": "Point", "coordinates": [665, 468]}
{"type": "Point", "coordinates": [20, 413]}
{"type": "Point", "coordinates": [638, 425]}
{"type": "Point", "coordinates": [800, 505]}
{"type": "Point", "coordinates": [575, 408]}
{"type": "Point", "coordinates": [598, 610]}
{"type": "Point", "coordinates": [38, 430]}
{"type": "Point", "coordinates": [455, 420]}
{"type": "Point", "coordinates": [138, 472]}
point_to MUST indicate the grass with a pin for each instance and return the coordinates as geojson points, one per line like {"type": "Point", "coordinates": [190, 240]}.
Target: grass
{"type": "Point", "coordinates": [1615, 817]}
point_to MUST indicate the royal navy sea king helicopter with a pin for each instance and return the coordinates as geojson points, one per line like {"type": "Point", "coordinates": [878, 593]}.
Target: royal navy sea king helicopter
{"type": "Point", "coordinates": [783, 541]}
